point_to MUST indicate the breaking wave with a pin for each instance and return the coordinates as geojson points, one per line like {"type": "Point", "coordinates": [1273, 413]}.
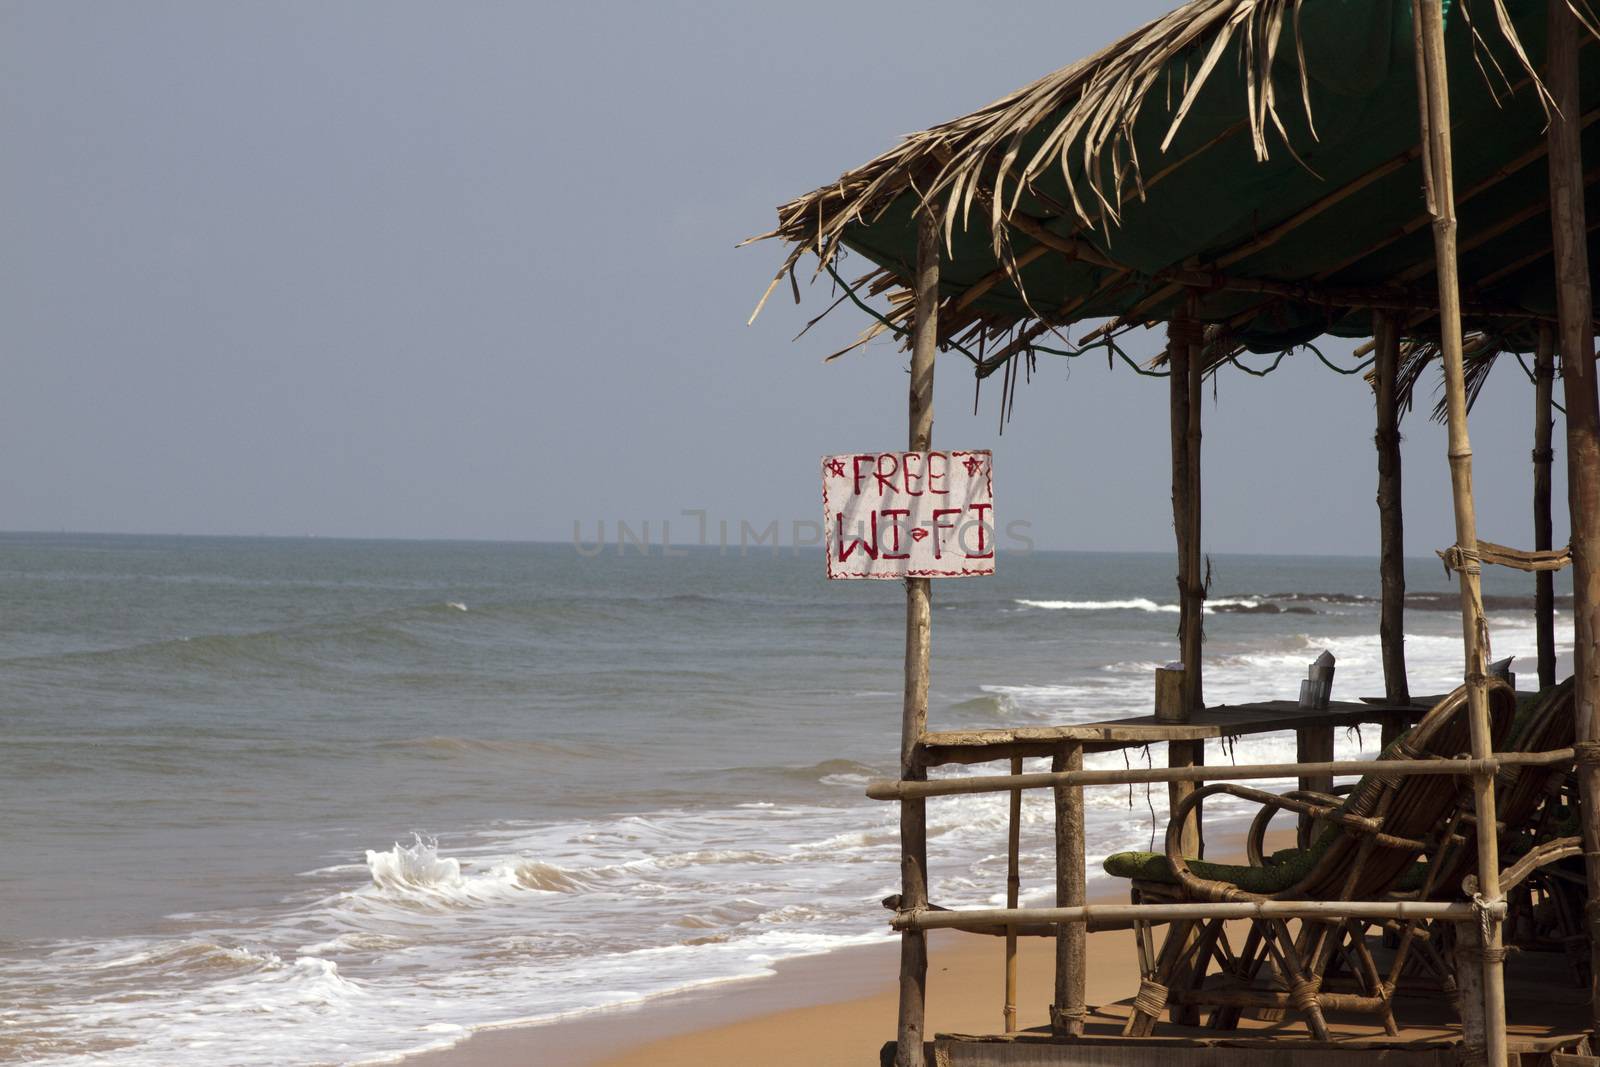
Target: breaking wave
{"type": "Point", "coordinates": [1224, 604]}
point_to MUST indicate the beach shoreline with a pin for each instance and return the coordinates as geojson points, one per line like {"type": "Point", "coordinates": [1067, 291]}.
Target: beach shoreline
{"type": "Point", "coordinates": [836, 1007]}
{"type": "Point", "coordinates": [844, 975]}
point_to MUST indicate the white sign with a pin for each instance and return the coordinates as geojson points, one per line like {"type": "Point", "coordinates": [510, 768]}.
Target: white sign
{"type": "Point", "coordinates": [908, 514]}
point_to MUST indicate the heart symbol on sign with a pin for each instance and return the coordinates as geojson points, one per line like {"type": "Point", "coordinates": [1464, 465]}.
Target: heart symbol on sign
{"type": "Point", "coordinates": [918, 534]}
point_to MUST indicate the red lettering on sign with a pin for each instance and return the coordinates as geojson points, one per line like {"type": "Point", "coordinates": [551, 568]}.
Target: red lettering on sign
{"type": "Point", "coordinates": [913, 482]}
{"type": "Point", "coordinates": [859, 542]}
{"type": "Point", "coordinates": [856, 463]}
{"type": "Point", "coordinates": [940, 526]}
{"type": "Point", "coordinates": [938, 467]}
{"type": "Point", "coordinates": [895, 526]}
{"type": "Point", "coordinates": [979, 511]}
{"type": "Point", "coordinates": [885, 479]}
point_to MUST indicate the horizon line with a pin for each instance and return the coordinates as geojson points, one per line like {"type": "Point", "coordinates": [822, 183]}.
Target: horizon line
{"type": "Point", "coordinates": [654, 548]}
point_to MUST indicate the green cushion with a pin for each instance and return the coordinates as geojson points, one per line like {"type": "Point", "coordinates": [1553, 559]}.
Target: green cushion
{"type": "Point", "coordinates": [1413, 878]}
{"type": "Point", "coordinates": [1283, 869]}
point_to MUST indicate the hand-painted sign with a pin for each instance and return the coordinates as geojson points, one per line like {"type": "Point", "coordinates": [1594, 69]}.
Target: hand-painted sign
{"type": "Point", "coordinates": [908, 514]}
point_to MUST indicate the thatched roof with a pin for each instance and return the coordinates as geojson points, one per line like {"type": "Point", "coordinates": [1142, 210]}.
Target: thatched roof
{"type": "Point", "coordinates": [1261, 155]}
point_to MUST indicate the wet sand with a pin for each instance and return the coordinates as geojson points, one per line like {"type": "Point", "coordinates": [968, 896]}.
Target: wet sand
{"type": "Point", "coordinates": [838, 1008]}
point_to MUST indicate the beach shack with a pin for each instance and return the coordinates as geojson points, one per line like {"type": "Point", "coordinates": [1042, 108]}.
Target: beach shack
{"type": "Point", "coordinates": [1247, 176]}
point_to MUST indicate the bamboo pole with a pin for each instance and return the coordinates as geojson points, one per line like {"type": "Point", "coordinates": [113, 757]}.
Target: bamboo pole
{"type": "Point", "coordinates": [1469, 990]}
{"type": "Point", "coordinates": [1098, 914]}
{"type": "Point", "coordinates": [1184, 337]}
{"type": "Point", "coordinates": [1391, 517]}
{"type": "Point", "coordinates": [883, 789]}
{"type": "Point", "coordinates": [1013, 889]}
{"type": "Point", "coordinates": [1434, 98]}
{"type": "Point", "coordinates": [1067, 1011]}
{"type": "Point", "coordinates": [1227, 998]}
{"type": "Point", "coordinates": [1194, 622]}
{"type": "Point", "coordinates": [914, 718]}
{"type": "Point", "coordinates": [1178, 399]}
{"type": "Point", "coordinates": [1576, 345]}
{"type": "Point", "coordinates": [1544, 597]}
{"type": "Point", "coordinates": [1313, 744]}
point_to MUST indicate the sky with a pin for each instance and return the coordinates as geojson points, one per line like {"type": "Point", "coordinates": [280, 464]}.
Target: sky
{"type": "Point", "coordinates": [468, 270]}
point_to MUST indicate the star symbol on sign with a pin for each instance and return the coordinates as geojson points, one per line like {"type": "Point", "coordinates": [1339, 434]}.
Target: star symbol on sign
{"type": "Point", "coordinates": [836, 467]}
{"type": "Point", "coordinates": [973, 465]}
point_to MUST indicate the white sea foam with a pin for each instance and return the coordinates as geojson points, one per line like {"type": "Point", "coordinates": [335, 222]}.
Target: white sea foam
{"type": "Point", "coordinates": [1134, 604]}
{"type": "Point", "coordinates": [540, 923]}
{"type": "Point", "coordinates": [413, 866]}
{"type": "Point", "coordinates": [1131, 604]}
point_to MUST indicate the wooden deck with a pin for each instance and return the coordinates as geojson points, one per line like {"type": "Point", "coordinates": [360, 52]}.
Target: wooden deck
{"type": "Point", "coordinates": [1546, 1010]}
{"type": "Point", "coordinates": [941, 747]}
{"type": "Point", "coordinates": [1037, 1050]}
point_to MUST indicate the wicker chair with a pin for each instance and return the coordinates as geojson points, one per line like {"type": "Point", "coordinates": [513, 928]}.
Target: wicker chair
{"type": "Point", "coordinates": [1536, 835]}
{"type": "Point", "coordinates": [1529, 811]}
{"type": "Point", "coordinates": [1369, 849]}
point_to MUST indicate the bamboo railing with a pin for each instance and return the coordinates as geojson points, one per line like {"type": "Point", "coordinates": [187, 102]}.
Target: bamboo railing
{"type": "Point", "coordinates": [1449, 911]}
{"type": "Point", "coordinates": [889, 789]}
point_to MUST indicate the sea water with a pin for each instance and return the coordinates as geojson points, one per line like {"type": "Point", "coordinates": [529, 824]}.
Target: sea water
{"type": "Point", "coordinates": [304, 801]}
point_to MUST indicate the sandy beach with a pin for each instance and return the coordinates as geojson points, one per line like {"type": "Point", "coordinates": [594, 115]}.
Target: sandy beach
{"type": "Point", "coordinates": [833, 1009]}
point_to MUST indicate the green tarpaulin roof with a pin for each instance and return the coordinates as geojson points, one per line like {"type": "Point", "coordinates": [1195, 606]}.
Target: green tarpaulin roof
{"type": "Point", "coordinates": [1289, 192]}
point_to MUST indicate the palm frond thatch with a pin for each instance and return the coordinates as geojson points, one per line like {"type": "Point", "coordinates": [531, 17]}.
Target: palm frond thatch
{"type": "Point", "coordinates": [1094, 103]}
{"type": "Point", "coordinates": [1079, 121]}
{"type": "Point", "coordinates": [1479, 352]}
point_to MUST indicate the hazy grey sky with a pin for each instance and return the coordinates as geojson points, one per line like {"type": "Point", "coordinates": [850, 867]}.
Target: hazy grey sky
{"type": "Point", "coordinates": [468, 270]}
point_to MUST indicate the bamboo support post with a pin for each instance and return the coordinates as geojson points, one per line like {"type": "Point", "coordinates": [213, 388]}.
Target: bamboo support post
{"type": "Point", "coordinates": [1569, 230]}
{"type": "Point", "coordinates": [1391, 521]}
{"type": "Point", "coordinates": [1013, 890]}
{"type": "Point", "coordinates": [914, 720]}
{"type": "Point", "coordinates": [1544, 598]}
{"type": "Point", "coordinates": [1434, 97]}
{"type": "Point", "coordinates": [1195, 594]}
{"type": "Point", "coordinates": [1184, 340]}
{"type": "Point", "coordinates": [1469, 990]}
{"type": "Point", "coordinates": [1068, 1009]}
{"type": "Point", "coordinates": [1169, 705]}
{"type": "Point", "coordinates": [1178, 331]}
{"type": "Point", "coordinates": [1313, 745]}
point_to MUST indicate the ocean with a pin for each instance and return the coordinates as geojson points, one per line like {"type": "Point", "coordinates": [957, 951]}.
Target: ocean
{"type": "Point", "coordinates": [300, 801]}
